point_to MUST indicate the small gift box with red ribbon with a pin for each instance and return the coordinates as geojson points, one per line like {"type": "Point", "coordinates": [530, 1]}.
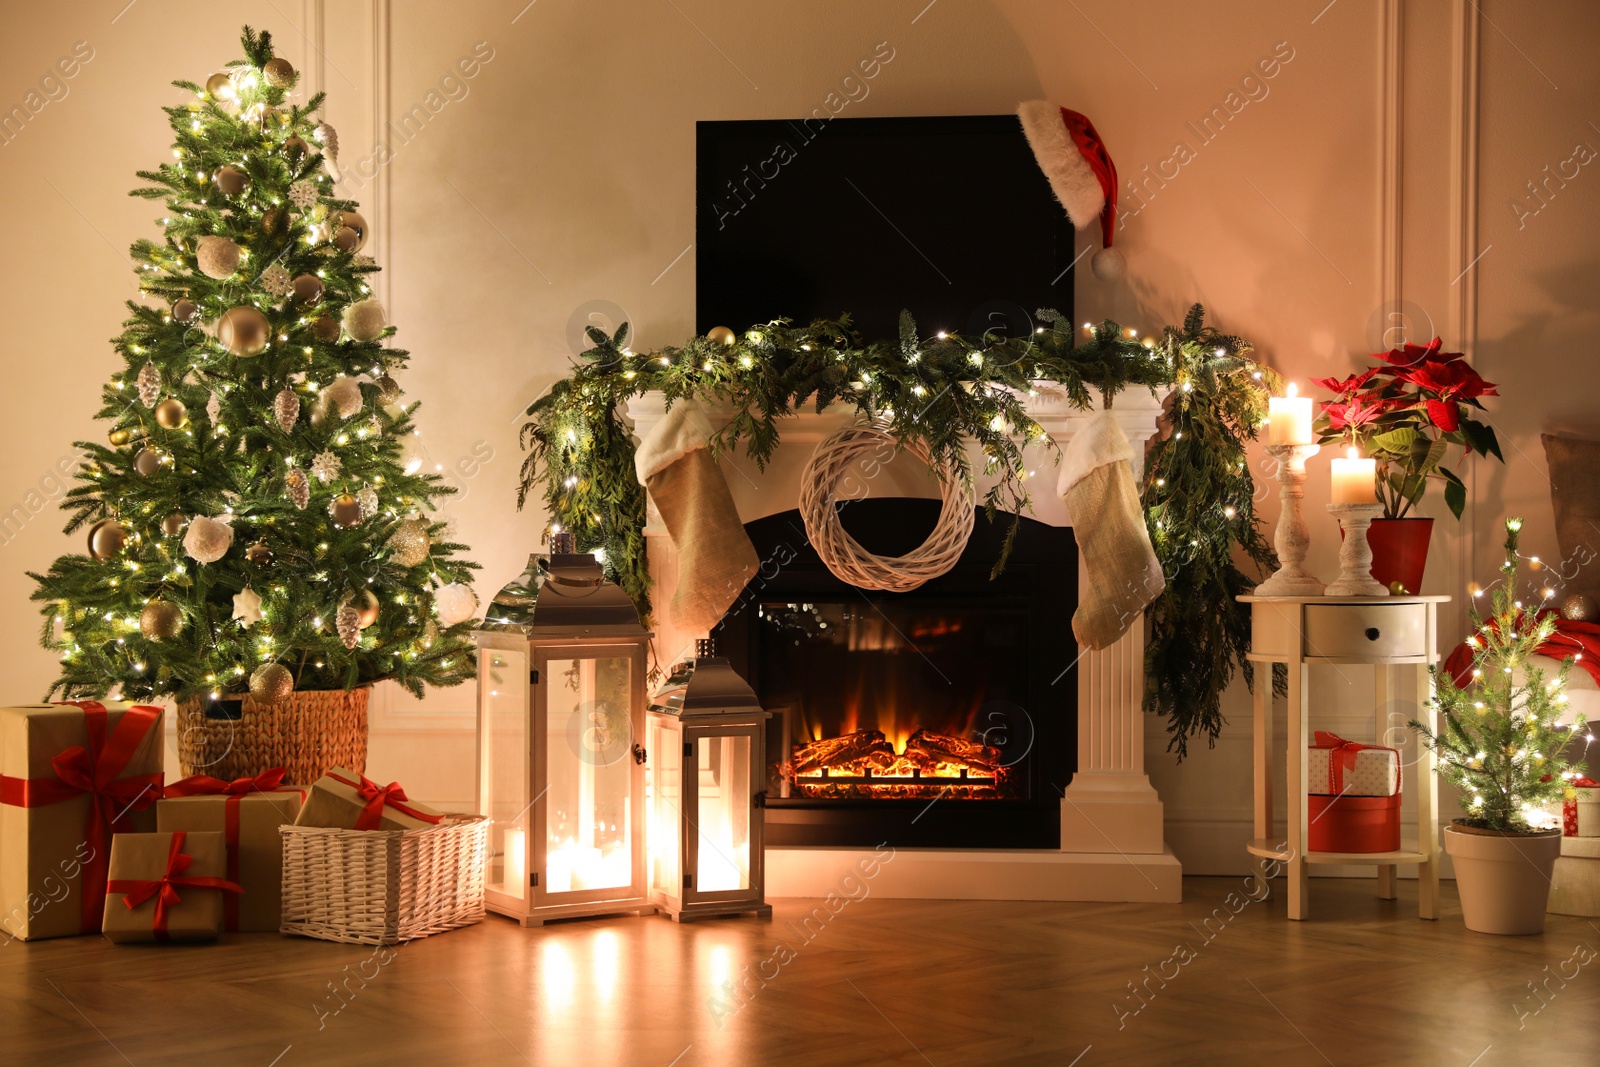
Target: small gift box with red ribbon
{"type": "Point", "coordinates": [1580, 815]}
{"type": "Point", "coordinates": [1354, 796]}
{"type": "Point", "coordinates": [247, 812]}
{"type": "Point", "coordinates": [166, 887]}
{"type": "Point", "coordinates": [345, 800]}
{"type": "Point", "coordinates": [70, 775]}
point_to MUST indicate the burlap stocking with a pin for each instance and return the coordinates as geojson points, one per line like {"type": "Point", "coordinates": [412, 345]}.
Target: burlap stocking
{"type": "Point", "coordinates": [1123, 574]}
{"type": "Point", "coordinates": [715, 556]}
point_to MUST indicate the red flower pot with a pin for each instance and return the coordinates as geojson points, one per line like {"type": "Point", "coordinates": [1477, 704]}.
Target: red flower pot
{"type": "Point", "coordinates": [1400, 551]}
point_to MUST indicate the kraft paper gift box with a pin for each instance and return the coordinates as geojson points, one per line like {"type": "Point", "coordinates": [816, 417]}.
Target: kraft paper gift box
{"type": "Point", "coordinates": [247, 812]}
{"type": "Point", "coordinates": [166, 887]}
{"type": "Point", "coordinates": [345, 800]}
{"type": "Point", "coordinates": [70, 775]}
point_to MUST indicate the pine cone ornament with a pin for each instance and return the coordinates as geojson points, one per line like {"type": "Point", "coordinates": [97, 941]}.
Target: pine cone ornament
{"type": "Point", "coordinates": [326, 467]}
{"type": "Point", "coordinates": [214, 408]}
{"type": "Point", "coordinates": [348, 620]}
{"type": "Point", "coordinates": [276, 280]}
{"type": "Point", "coordinates": [286, 409]}
{"type": "Point", "coordinates": [368, 499]}
{"type": "Point", "coordinates": [303, 195]}
{"type": "Point", "coordinates": [299, 488]}
{"type": "Point", "coordinates": [149, 385]}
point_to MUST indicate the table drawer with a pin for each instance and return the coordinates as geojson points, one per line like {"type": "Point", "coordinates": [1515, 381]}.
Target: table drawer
{"type": "Point", "coordinates": [1366, 631]}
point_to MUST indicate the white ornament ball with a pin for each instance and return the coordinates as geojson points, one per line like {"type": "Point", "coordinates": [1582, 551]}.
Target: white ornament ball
{"type": "Point", "coordinates": [218, 257]}
{"type": "Point", "coordinates": [207, 540]}
{"type": "Point", "coordinates": [1108, 265]}
{"type": "Point", "coordinates": [365, 320]}
{"type": "Point", "coordinates": [455, 603]}
{"type": "Point", "coordinates": [344, 396]}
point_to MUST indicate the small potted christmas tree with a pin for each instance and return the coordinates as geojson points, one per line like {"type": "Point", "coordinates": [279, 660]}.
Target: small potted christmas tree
{"type": "Point", "coordinates": [261, 545]}
{"type": "Point", "coordinates": [1502, 742]}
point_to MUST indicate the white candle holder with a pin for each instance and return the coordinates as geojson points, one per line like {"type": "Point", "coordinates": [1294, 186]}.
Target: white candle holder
{"type": "Point", "coordinates": [1355, 555]}
{"type": "Point", "coordinates": [1292, 539]}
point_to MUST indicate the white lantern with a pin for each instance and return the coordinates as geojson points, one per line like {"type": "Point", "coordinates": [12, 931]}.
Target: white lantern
{"type": "Point", "coordinates": [706, 742]}
{"type": "Point", "coordinates": [560, 771]}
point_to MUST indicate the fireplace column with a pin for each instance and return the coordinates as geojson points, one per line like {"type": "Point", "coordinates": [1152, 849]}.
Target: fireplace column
{"type": "Point", "coordinates": [1110, 805]}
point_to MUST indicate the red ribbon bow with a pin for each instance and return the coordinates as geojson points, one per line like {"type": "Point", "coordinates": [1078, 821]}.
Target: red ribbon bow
{"type": "Point", "coordinates": [1343, 758]}
{"type": "Point", "coordinates": [165, 888]}
{"type": "Point", "coordinates": [93, 772]}
{"type": "Point", "coordinates": [200, 785]}
{"type": "Point", "coordinates": [378, 797]}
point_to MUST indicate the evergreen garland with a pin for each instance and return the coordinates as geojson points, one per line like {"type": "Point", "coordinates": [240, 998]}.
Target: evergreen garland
{"type": "Point", "coordinates": [947, 391]}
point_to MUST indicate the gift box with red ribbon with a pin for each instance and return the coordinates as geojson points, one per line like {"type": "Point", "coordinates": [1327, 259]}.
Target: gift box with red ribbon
{"type": "Point", "coordinates": [247, 812]}
{"type": "Point", "coordinates": [345, 800]}
{"type": "Point", "coordinates": [1580, 815]}
{"type": "Point", "coordinates": [70, 775]}
{"type": "Point", "coordinates": [1354, 801]}
{"type": "Point", "coordinates": [166, 887]}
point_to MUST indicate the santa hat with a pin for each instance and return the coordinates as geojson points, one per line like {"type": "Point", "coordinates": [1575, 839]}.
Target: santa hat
{"type": "Point", "coordinates": [1071, 154]}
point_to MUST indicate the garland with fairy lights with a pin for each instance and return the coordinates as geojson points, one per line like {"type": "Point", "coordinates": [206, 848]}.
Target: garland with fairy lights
{"type": "Point", "coordinates": [945, 393]}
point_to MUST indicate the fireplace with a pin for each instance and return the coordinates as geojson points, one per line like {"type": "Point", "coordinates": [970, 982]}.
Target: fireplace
{"type": "Point", "coordinates": [942, 717]}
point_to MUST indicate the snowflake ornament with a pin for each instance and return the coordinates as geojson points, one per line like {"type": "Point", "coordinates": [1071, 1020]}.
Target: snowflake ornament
{"type": "Point", "coordinates": [276, 280]}
{"type": "Point", "coordinates": [303, 195]}
{"type": "Point", "coordinates": [326, 467]}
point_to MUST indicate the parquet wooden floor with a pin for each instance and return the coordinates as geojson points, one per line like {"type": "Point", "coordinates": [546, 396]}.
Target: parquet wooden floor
{"type": "Point", "coordinates": [880, 982]}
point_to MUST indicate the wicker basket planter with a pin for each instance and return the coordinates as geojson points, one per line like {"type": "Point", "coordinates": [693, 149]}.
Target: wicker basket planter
{"type": "Point", "coordinates": [382, 887]}
{"type": "Point", "coordinates": [307, 735]}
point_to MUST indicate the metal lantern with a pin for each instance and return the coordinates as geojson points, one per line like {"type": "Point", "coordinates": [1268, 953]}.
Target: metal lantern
{"type": "Point", "coordinates": [561, 677]}
{"type": "Point", "coordinates": [706, 737]}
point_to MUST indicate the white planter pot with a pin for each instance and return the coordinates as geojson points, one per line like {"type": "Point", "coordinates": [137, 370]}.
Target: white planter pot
{"type": "Point", "coordinates": [1504, 879]}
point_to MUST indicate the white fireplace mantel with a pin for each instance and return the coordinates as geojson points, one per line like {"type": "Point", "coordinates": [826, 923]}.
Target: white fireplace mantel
{"type": "Point", "coordinates": [1112, 845]}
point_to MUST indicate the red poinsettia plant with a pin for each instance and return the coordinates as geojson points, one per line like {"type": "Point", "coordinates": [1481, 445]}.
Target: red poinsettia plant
{"type": "Point", "coordinates": [1407, 412]}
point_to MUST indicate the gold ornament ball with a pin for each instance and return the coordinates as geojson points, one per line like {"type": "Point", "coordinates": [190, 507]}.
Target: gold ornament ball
{"type": "Point", "coordinates": [243, 331]}
{"type": "Point", "coordinates": [366, 605]}
{"type": "Point", "coordinates": [184, 310]}
{"type": "Point", "coordinates": [259, 554]}
{"type": "Point", "coordinates": [722, 335]}
{"type": "Point", "coordinates": [271, 683]}
{"type": "Point", "coordinates": [408, 545]}
{"type": "Point", "coordinates": [279, 73]}
{"type": "Point", "coordinates": [231, 180]}
{"type": "Point", "coordinates": [220, 86]}
{"type": "Point", "coordinates": [346, 240]}
{"type": "Point", "coordinates": [120, 436]}
{"type": "Point", "coordinates": [325, 329]}
{"type": "Point", "coordinates": [174, 523]}
{"type": "Point", "coordinates": [161, 620]}
{"type": "Point", "coordinates": [388, 389]}
{"type": "Point", "coordinates": [354, 222]}
{"type": "Point", "coordinates": [346, 510]}
{"type": "Point", "coordinates": [147, 461]}
{"type": "Point", "coordinates": [107, 538]}
{"type": "Point", "coordinates": [365, 320]}
{"type": "Point", "coordinates": [307, 288]}
{"type": "Point", "coordinates": [295, 148]}
{"type": "Point", "coordinates": [1580, 607]}
{"type": "Point", "coordinates": [1397, 587]}
{"type": "Point", "coordinates": [272, 221]}
{"type": "Point", "coordinates": [217, 257]}
{"type": "Point", "coordinates": [171, 414]}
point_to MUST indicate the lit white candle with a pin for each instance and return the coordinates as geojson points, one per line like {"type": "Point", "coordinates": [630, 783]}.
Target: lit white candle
{"type": "Point", "coordinates": [1289, 418]}
{"type": "Point", "coordinates": [1355, 479]}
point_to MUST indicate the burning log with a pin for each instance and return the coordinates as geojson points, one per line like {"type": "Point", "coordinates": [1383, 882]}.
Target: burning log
{"type": "Point", "coordinates": [867, 747]}
{"type": "Point", "coordinates": [928, 750]}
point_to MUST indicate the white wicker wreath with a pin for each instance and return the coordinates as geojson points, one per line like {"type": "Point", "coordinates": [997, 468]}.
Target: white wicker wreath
{"type": "Point", "coordinates": [820, 492]}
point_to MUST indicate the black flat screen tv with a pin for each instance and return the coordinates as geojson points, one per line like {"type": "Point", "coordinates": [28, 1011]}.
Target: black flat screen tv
{"type": "Point", "coordinates": [949, 217]}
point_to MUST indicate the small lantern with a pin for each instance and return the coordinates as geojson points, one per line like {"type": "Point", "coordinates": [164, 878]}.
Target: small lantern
{"type": "Point", "coordinates": [706, 739]}
{"type": "Point", "coordinates": [561, 676]}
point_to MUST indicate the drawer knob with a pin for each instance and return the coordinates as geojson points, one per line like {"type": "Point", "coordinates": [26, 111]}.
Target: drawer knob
{"type": "Point", "coordinates": [1372, 633]}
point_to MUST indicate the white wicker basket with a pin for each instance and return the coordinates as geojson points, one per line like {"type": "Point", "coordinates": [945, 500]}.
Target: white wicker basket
{"type": "Point", "coordinates": [382, 887]}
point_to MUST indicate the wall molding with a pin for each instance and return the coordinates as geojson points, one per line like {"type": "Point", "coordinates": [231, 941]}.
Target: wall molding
{"type": "Point", "coordinates": [1391, 134]}
{"type": "Point", "coordinates": [1461, 297]}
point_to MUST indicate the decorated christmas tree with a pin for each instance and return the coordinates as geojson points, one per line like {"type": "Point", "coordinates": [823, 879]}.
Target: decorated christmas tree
{"type": "Point", "coordinates": [1501, 740]}
{"type": "Point", "coordinates": [257, 518]}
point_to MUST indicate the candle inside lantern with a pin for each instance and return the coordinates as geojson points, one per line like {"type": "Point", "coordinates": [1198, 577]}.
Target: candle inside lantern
{"type": "Point", "coordinates": [516, 857]}
{"type": "Point", "coordinates": [1355, 479]}
{"type": "Point", "coordinates": [1289, 418]}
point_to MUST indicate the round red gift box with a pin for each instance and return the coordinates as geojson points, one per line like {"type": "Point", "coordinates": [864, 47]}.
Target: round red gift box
{"type": "Point", "coordinates": [1354, 824]}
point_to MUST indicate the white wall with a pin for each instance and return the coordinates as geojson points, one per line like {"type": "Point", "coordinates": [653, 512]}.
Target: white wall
{"type": "Point", "coordinates": [564, 175]}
